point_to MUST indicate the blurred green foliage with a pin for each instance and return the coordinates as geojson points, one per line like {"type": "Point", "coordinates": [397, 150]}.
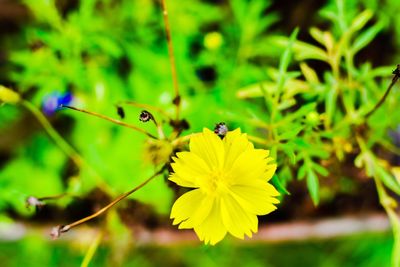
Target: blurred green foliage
{"type": "Point", "coordinates": [366, 251]}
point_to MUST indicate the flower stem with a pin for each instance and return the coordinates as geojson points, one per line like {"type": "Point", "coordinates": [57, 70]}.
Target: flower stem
{"type": "Point", "coordinates": [65, 228]}
{"type": "Point", "coordinates": [396, 73]}
{"type": "Point", "coordinates": [111, 120]}
{"type": "Point", "coordinates": [92, 250]}
{"type": "Point", "coordinates": [171, 58]}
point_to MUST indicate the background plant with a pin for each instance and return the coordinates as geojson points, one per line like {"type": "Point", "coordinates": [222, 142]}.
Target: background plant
{"type": "Point", "coordinates": [319, 120]}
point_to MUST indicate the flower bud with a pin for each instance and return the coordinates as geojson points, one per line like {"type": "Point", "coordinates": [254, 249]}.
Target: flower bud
{"type": "Point", "coordinates": [213, 40]}
{"type": "Point", "coordinates": [145, 116]}
{"type": "Point", "coordinates": [313, 119]}
{"type": "Point", "coordinates": [8, 95]}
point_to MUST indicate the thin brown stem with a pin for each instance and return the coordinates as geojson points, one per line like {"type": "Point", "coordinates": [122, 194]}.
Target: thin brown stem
{"type": "Point", "coordinates": [171, 58]}
{"type": "Point", "coordinates": [65, 228]}
{"type": "Point", "coordinates": [38, 202]}
{"type": "Point", "coordinates": [396, 73]}
{"type": "Point", "coordinates": [53, 197]}
{"type": "Point", "coordinates": [112, 120]}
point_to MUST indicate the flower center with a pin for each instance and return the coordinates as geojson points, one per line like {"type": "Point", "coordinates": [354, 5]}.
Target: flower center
{"type": "Point", "coordinates": [216, 182]}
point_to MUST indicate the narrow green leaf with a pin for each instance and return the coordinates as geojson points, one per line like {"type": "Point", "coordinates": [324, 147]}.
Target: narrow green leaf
{"type": "Point", "coordinates": [388, 180]}
{"type": "Point", "coordinates": [291, 133]}
{"type": "Point", "coordinates": [366, 37]}
{"type": "Point", "coordinates": [279, 186]}
{"type": "Point", "coordinates": [313, 186]}
{"type": "Point", "coordinates": [285, 60]}
{"type": "Point", "coordinates": [309, 73]}
{"type": "Point", "coordinates": [360, 20]}
{"type": "Point", "coordinates": [301, 173]}
{"type": "Point", "coordinates": [320, 169]}
{"type": "Point", "coordinates": [288, 148]}
{"type": "Point", "coordinates": [330, 104]}
{"type": "Point", "coordinates": [318, 35]}
{"type": "Point", "coordinates": [302, 50]}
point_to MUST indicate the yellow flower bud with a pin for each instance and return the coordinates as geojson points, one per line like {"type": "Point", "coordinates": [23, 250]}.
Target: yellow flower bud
{"type": "Point", "coordinates": [8, 96]}
{"type": "Point", "coordinates": [157, 151]}
{"type": "Point", "coordinates": [213, 40]}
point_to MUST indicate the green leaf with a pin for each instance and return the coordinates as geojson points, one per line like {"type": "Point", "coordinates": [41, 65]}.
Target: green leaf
{"type": "Point", "coordinates": [303, 50]}
{"type": "Point", "coordinates": [388, 180]}
{"type": "Point", "coordinates": [320, 169]}
{"type": "Point", "coordinates": [301, 173]}
{"type": "Point", "coordinates": [366, 37]}
{"type": "Point", "coordinates": [288, 148]}
{"type": "Point", "coordinates": [360, 21]}
{"type": "Point", "coordinates": [318, 35]}
{"type": "Point", "coordinates": [285, 60]}
{"type": "Point", "coordinates": [313, 186]}
{"type": "Point", "coordinates": [279, 186]}
{"type": "Point", "coordinates": [309, 73]}
{"type": "Point", "coordinates": [291, 134]}
{"type": "Point", "coordinates": [330, 104]}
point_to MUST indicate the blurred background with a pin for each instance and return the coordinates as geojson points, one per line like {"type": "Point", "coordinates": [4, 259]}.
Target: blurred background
{"type": "Point", "coordinates": [298, 76]}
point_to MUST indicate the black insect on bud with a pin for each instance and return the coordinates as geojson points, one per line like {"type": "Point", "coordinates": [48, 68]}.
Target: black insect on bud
{"type": "Point", "coordinates": [221, 129]}
{"type": "Point", "coordinates": [121, 112]}
{"type": "Point", "coordinates": [145, 116]}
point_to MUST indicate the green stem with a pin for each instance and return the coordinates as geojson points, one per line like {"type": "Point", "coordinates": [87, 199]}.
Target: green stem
{"type": "Point", "coordinates": [57, 138]}
{"type": "Point", "coordinates": [63, 145]}
{"type": "Point", "coordinates": [92, 250]}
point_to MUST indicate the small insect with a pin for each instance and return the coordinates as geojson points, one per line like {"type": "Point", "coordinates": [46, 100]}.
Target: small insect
{"type": "Point", "coordinates": [221, 129]}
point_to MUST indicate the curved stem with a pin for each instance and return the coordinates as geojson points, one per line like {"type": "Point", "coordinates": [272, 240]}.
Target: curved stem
{"type": "Point", "coordinates": [65, 228]}
{"type": "Point", "coordinates": [112, 120]}
{"type": "Point", "coordinates": [382, 100]}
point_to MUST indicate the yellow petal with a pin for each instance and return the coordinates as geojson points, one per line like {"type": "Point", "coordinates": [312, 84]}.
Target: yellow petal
{"type": "Point", "coordinates": [237, 221]}
{"type": "Point", "coordinates": [250, 165]}
{"type": "Point", "coordinates": [257, 198]}
{"type": "Point", "coordinates": [269, 172]}
{"type": "Point", "coordinates": [188, 169]}
{"type": "Point", "coordinates": [209, 147]}
{"type": "Point", "coordinates": [199, 210]}
{"type": "Point", "coordinates": [212, 230]}
{"type": "Point", "coordinates": [235, 143]}
{"type": "Point", "coordinates": [185, 206]}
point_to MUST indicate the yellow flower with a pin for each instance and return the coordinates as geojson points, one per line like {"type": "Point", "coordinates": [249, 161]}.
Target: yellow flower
{"type": "Point", "coordinates": [230, 178]}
